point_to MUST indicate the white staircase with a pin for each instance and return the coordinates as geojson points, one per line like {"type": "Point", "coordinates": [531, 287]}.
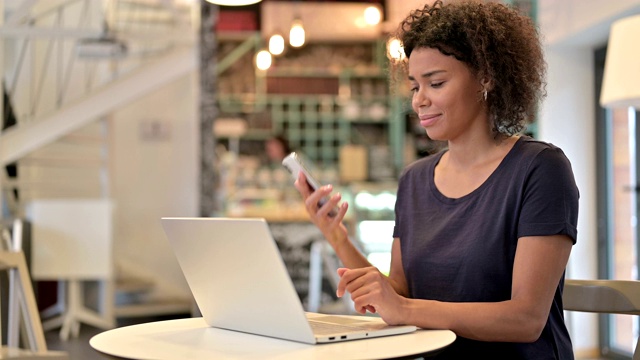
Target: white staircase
{"type": "Point", "coordinates": [15, 143]}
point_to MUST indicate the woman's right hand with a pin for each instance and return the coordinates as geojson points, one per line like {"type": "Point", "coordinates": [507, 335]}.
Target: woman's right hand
{"type": "Point", "coordinates": [330, 225]}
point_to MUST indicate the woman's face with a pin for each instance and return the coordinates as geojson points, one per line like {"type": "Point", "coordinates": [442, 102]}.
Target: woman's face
{"type": "Point", "coordinates": [275, 150]}
{"type": "Point", "coordinates": [446, 95]}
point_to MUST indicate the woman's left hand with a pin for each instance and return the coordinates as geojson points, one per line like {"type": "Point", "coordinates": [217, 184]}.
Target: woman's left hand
{"type": "Point", "coordinates": [371, 291]}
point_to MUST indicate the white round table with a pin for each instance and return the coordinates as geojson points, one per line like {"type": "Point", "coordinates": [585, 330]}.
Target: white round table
{"type": "Point", "coordinates": [192, 338]}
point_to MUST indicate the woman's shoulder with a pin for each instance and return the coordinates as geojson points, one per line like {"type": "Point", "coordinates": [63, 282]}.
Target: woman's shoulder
{"type": "Point", "coordinates": [538, 154]}
{"type": "Point", "coordinates": [531, 144]}
{"type": "Point", "coordinates": [535, 149]}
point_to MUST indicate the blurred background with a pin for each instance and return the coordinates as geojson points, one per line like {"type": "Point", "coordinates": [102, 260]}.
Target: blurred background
{"type": "Point", "coordinates": [119, 112]}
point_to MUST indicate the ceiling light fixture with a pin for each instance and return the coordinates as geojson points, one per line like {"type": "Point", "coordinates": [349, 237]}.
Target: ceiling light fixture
{"type": "Point", "coordinates": [296, 34]}
{"type": "Point", "coordinates": [372, 15]}
{"type": "Point", "coordinates": [263, 60]}
{"type": "Point", "coordinates": [276, 44]}
{"type": "Point", "coordinates": [395, 49]}
{"type": "Point", "coordinates": [233, 2]}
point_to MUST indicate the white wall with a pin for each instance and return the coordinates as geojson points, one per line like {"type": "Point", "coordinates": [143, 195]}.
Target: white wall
{"type": "Point", "coordinates": [572, 29]}
{"type": "Point", "coordinates": [568, 120]}
{"type": "Point", "coordinates": [150, 178]}
{"type": "Point", "coordinates": [153, 178]}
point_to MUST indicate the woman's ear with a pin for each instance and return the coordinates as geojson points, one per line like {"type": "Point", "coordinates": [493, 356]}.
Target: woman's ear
{"type": "Point", "coordinates": [487, 83]}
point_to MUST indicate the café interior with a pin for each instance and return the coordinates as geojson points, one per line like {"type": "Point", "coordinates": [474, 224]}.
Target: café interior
{"type": "Point", "coordinates": [117, 113]}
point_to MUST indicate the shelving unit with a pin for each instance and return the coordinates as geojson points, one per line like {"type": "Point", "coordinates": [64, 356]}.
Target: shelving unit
{"type": "Point", "coordinates": [312, 124]}
{"type": "Point", "coordinates": [321, 100]}
{"type": "Point", "coordinates": [318, 124]}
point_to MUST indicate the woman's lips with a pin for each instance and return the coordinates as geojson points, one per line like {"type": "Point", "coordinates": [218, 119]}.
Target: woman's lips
{"type": "Point", "coordinates": [428, 119]}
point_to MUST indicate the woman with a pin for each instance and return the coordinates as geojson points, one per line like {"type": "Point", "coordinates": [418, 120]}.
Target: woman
{"type": "Point", "coordinates": [276, 148]}
{"type": "Point", "coordinates": [483, 229]}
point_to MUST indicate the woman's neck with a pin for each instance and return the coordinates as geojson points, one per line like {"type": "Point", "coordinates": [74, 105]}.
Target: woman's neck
{"type": "Point", "coordinates": [477, 150]}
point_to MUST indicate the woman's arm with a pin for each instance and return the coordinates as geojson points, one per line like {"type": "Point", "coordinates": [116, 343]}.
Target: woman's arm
{"type": "Point", "coordinates": [372, 291]}
{"type": "Point", "coordinates": [331, 226]}
{"type": "Point", "coordinates": [336, 233]}
{"type": "Point", "coordinates": [396, 273]}
{"type": "Point", "coordinates": [539, 264]}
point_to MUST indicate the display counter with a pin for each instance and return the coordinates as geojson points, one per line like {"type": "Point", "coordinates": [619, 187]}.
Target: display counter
{"type": "Point", "coordinates": [274, 213]}
{"type": "Point", "coordinates": [309, 259]}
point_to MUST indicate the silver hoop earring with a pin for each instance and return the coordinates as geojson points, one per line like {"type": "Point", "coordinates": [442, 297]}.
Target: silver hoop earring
{"type": "Point", "coordinates": [484, 94]}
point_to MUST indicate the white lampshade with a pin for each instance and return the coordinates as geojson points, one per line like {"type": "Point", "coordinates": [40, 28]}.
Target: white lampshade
{"type": "Point", "coordinates": [621, 84]}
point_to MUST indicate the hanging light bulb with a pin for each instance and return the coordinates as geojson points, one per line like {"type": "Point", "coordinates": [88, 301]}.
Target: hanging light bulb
{"type": "Point", "coordinates": [276, 44]}
{"type": "Point", "coordinates": [395, 49]}
{"type": "Point", "coordinates": [263, 60]}
{"type": "Point", "coordinates": [296, 34]}
{"type": "Point", "coordinates": [372, 15]}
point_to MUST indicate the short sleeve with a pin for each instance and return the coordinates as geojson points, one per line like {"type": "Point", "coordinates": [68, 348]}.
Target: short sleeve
{"type": "Point", "coordinates": [550, 197]}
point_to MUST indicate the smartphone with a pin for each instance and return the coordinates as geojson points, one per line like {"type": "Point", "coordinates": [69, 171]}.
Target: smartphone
{"type": "Point", "coordinates": [293, 164]}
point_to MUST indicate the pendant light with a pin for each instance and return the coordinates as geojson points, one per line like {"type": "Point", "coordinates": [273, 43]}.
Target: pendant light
{"type": "Point", "coordinates": [263, 60]}
{"type": "Point", "coordinates": [276, 44]}
{"type": "Point", "coordinates": [296, 34]}
{"type": "Point", "coordinates": [372, 15]}
{"type": "Point", "coordinates": [395, 49]}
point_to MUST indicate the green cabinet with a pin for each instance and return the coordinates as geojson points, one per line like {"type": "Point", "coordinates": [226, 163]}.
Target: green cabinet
{"type": "Point", "coordinates": [361, 111]}
{"type": "Point", "coordinates": [320, 98]}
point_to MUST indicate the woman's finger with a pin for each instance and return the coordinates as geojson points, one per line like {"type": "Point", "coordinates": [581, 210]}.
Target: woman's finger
{"type": "Point", "coordinates": [311, 202]}
{"type": "Point", "coordinates": [302, 185]}
{"type": "Point", "coordinates": [329, 205]}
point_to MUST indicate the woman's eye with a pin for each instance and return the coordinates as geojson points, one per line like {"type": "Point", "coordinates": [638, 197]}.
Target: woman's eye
{"type": "Point", "coordinates": [414, 89]}
{"type": "Point", "coordinates": [437, 84]}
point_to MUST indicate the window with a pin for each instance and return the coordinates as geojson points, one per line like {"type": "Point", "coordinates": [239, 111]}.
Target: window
{"type": "Point", "coordinates": [618, 154]}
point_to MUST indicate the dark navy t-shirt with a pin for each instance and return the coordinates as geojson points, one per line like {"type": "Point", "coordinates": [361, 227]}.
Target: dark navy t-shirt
{"type": "Point", "coordinates": [463, 249]}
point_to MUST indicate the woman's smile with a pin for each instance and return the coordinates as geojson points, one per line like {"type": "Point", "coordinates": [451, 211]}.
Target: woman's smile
{"type": "Point", "coordinates": [427, 120]}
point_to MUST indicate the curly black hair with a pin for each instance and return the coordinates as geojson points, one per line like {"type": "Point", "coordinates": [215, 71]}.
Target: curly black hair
{"type": "Point", "coordinates": [497, 43]}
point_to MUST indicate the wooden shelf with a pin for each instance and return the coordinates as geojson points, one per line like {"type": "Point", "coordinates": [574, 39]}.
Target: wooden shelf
{"type": "Point", "coordinates": [321, 103]}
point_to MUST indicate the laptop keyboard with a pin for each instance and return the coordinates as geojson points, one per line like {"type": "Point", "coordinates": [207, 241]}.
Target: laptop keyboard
{"type": "Point", "coordinates": [328, 325]}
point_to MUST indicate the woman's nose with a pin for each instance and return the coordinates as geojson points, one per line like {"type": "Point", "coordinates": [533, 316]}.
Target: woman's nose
{"type": "Point", "coordinates": [420, 99]}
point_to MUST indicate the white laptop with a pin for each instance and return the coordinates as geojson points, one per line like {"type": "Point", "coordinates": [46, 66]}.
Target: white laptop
{"type": "Point", "coordinates": [240, 282]}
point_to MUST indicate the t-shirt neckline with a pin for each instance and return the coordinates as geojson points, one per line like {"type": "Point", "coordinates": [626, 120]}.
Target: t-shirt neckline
{"type": "Point", "coordinates": [447, 200]}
